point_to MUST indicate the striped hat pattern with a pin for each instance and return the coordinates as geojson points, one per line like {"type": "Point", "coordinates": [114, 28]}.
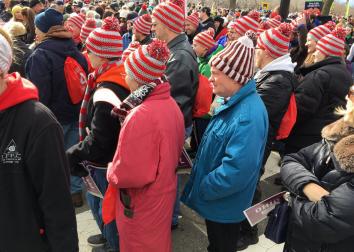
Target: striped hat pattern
{"type": "Point", "coordinates": [320, 31]}
{"type": "Point", "coordinates": [106, 41]}
{"type": "Point", "coordinates": [193, 19]}
{"type": "Point", "coordinates": [131, 48]}
{"type": "Point", "coordinates": [249, 22]}
{"type": "Point", "coordinates": [263, 27]}
{"type": "Point", "coordinates": [148, 62]}
{"type": "Point", "coordinates": [143, 24]}
{"type": "Point", "coordinates": [276, 40]}
{"type": "Point", "coordinates": [171, 14]}
{"type": "Point", "coordinates": [205, 39]}
{"type": "Point", "coordinates": [77, 20]}
{"type": "Point", "coordinates": [275, 21]}
{"type": "Point", "coordinates": [87, 28]}
{"type": "Point", "coordinates": [333, 44]}
{"type": "Point", "coordinates": [237, 59]}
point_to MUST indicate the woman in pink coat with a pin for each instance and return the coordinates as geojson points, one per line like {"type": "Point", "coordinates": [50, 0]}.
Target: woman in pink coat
{"type": "Point", "coordinates": [150, 143]}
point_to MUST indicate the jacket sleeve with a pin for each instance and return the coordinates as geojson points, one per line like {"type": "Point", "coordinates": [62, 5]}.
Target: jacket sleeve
{"type": "Point", "coordinates": [49, 173]}
{"type": "Point", "coordinates": [296, 169]}
{"type": "Point", "coordinates": [237, 170]}
{"type": "Point", "coordinates": [329, 220]}
{"type": "Point", "coordinates": [99, 145]}
{"type": "Point", "coordinates": [182, 80]}
{"type": "Point", "coordinates": [38, 72]}
{"type": "Point", "coordinates": [137, 158]}
{"type": "Point", "coordinates": [309, 94]}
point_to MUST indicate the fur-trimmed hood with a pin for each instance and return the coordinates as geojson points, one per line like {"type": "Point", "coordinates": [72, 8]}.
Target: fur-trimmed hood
{"type": "Point", "coordinates": [341, 133]}
{"type": "Point", "coordinates": [344, 153]}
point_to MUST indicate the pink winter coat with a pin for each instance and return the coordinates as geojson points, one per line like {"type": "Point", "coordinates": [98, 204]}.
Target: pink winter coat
{"type": "Point", "coordinates": [149, 147]}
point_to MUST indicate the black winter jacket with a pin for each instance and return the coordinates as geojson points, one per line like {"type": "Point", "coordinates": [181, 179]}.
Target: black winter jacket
{"type": "Point", "coordinates": [275, 89]}
{"type": "Point", "coordinates": [323, 89]}
{"type": "Point", "coordinates": [182, 74]}
{"type": "Point", "coordinates": [209, 23]}
{"type": "Point", "coordinates": [45, 68]}
{"type": "Point", "coordinates": [326, 225]}
{"type": "Point", "coordinates": [34, 182]}
{"type": "Point", "coordinates": [99, 146]}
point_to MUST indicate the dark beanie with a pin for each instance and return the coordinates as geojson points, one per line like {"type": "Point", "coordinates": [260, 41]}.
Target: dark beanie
{"type": "Point", "coordinates": [45, 20]}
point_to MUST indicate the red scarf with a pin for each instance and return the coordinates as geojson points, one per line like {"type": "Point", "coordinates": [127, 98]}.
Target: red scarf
{"type": "Point", "coordinates": [18, 90]}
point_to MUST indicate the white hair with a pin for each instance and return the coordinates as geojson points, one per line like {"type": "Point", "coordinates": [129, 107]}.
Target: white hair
{"type": "Point", "coordinates": [5, 54]}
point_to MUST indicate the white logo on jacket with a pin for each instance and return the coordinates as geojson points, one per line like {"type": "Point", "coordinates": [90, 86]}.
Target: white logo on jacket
{"type": "Point", "coordinates": [10, 155]}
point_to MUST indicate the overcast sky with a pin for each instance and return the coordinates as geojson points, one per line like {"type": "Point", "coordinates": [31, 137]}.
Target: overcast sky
{"type": "Point", "coordinates": [344, 1]}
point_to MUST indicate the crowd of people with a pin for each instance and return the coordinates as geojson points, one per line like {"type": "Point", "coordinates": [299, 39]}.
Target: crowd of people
{"type": "Point", "coordinates": [107, 95]}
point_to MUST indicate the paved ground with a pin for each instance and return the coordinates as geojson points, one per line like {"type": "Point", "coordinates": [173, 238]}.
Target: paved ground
{"type": "Point", "coordinates": [191, 234]}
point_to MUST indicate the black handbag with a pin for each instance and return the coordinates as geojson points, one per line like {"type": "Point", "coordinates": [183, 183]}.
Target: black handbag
{"type": "Point", "coordinates": [277, 226]}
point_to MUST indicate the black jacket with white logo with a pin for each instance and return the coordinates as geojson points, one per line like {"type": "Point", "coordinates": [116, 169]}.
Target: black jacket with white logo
{"type": "Point", "coordinates": [36, 212]}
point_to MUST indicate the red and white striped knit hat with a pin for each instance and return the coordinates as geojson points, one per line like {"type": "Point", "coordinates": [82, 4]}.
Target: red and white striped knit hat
{"type": "Point", "coordinates": [143, 24]}
{"type": "Point", "coordinates": [276, 40]}
{"type": "Point", "coordinates": [275, 21]}
{"type": "Point", "coordinates": [77, 20]}
{"type": "Point", "coordinates": [333, 44]}
{"type": "Point", "coordinates": [87, 28]}
{"type": "Point", "coordinates": [237, 59]}
{"type": "Point", "coordinates": [263, 27]}
{"type": "Point", "coordinates": [193, 19]}
{"type": "Point", "coordinates": [320, 31]}
{"type": "Point", "coordinates": [171, 14]}
{"type": "Point", "coordinates": [249, 22]}
{"type": "Point", "coordinates": [131, 48]}
{"type": "Point", "coordinates": [106, 41]}
{"type": "Point", "coordinates": [205, 39]}
{"type": "Point", "coordinates": [148, 62]}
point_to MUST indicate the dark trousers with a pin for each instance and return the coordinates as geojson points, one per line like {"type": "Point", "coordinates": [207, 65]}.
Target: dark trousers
{"type": "Point", "coordinates": [222, 236]}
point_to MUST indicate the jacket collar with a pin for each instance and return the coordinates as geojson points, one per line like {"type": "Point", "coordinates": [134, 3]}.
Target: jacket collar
{"type": "Point", "coordinates": [246, 90]}
{"type": "Point", "coordinates": [160, 92]}
{"type": "Point", "coordinates": [329, 61]}
{"type": "Point", "coordinates": [179, 39]}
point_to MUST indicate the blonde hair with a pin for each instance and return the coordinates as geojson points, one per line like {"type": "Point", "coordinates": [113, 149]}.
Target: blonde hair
{"type": "Point", "coordinates": [348, 112]}
{"type": "Point", "coordinates": [16, 29]}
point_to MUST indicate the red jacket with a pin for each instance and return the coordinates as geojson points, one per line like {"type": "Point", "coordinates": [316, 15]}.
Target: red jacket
{"type": "Point", "coordinates": [149, 147]}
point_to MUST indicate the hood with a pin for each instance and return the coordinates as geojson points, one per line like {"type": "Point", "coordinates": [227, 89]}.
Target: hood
{"type": "Point", "coordinates": [114, 75]}
{"type": "Point", "coordinates": [341, 133]}
{"type": "Point", "coordinates": [282, 63]}
{"type": "Point", "coordinates": [337, 130]}
{"type": "Point", "coordinates": [58, 40]}
{"type": "Point", "coordinates": [344, 153]}
{"type": "Point", "coordinates": [18, 90]}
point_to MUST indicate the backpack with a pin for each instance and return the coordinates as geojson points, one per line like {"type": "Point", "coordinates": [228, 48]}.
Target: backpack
{"type": "Point", "coordinates": [76, 80]}
{"type": "Point", "coordinates": [203, 98]}
{"type": "Point", "coordinates": [289, 119]}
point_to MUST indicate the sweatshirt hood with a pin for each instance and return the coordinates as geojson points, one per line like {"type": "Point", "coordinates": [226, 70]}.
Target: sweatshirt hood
{"type": "Point", "coordinates": [18, 90]}
{"type": "Point", "coordinates": [282, 63]}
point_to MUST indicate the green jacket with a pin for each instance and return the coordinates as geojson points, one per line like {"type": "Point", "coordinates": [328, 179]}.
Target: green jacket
{"type": "Point", "coordinates": [203, 62]}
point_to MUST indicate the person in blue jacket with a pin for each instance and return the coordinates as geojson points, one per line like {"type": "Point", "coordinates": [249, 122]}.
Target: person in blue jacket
{"type": "Point", "coordinates": [228, 161]}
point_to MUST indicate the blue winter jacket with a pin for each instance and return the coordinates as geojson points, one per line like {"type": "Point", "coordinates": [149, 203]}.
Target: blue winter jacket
{"type": "Point", "coordinates": [45, 68]}
{"type": "Point", "coordinates": [227, 165]}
